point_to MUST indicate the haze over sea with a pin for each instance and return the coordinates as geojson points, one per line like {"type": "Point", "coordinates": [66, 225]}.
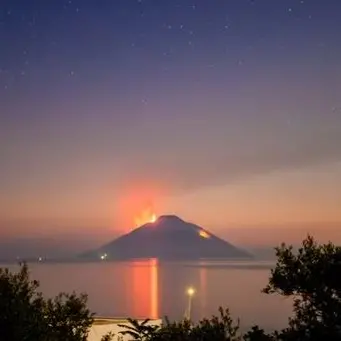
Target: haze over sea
{"type": "Point", "coordinates": [151, 289]}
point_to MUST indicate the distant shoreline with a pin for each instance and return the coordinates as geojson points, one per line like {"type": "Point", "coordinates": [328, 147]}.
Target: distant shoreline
{"type": "Point", "coordinates": [201, 263]}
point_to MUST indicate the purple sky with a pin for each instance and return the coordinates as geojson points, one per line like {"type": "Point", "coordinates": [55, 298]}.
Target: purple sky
{"type": "Point", "coordinates": [232, 108]}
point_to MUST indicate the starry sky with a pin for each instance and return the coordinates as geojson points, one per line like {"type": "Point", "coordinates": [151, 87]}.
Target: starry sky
{"type": "Point", "coordinates": [225, 112]}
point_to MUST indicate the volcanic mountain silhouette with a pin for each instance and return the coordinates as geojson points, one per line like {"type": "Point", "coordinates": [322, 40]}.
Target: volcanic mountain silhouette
{"type": "Point", "coordinates": [169, 238]}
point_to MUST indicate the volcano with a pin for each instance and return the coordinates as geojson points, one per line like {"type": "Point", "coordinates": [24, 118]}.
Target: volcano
{"type": "Point", "coordinates": [168, 238]}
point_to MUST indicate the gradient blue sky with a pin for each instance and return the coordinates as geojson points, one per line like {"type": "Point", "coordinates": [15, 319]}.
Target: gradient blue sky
{"type": "Point", "coordinates": [224, 112]}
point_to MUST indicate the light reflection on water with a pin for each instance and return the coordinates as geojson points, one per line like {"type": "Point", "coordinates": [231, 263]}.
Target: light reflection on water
{"type": "Point", "coordinates": [153, 289]}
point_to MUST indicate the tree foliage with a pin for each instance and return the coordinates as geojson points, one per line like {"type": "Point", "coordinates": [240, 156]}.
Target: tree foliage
{"type": "Point", "coordinates": [27, 316]}
{"type": "Point", "coordinates": [138, 331]}
{"type": "Point", "coordinates": [312, 277]}
{"type": "Point", "coordinates": [218, 328]}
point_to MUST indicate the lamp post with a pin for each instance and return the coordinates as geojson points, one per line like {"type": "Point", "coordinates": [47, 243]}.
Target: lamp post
{"type": "Point", "coordinates": [190, 293]}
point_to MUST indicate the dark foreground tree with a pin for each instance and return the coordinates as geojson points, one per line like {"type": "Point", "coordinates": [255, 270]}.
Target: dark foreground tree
{"type": "Point", "coordinates": [312, 276]}
{"type": "Point", "coordinates": [26, 316]}
{"type": "Point", "coordinates": [138, 331]}
{"type": "Point", "coordinates": [217, 328]}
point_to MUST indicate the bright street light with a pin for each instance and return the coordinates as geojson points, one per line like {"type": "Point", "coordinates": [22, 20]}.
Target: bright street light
{"type": "Point", "coordinates": [190, 292]}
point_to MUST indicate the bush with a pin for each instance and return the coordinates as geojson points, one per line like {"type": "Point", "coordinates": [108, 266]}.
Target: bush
{"type": "Point", "coordinates": [217, 328]}
{"type": "Point", "coordinates": [312, 277]}
{"type": "Point", "coordinates": [27, 316]}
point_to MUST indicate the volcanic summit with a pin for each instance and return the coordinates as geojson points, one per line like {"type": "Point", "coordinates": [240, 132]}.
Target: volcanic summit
{"type": "Point", "coordinates": [168, 238]}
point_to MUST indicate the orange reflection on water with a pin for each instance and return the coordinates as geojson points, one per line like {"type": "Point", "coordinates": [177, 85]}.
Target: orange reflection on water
{"type": "Point", "coordinates": [203, 289]}
{"type": "Point", "coordinates": [154, 289]}
{"type": "Point", "coordinates": [145, 289]}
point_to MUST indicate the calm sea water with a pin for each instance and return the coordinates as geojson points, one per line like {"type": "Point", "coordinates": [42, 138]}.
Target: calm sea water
{"type": "Point", "coordinates": [152, 289]}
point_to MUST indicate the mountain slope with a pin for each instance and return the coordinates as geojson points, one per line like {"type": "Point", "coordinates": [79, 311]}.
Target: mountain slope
{"type": "Point", "coordinates": [168, 238]}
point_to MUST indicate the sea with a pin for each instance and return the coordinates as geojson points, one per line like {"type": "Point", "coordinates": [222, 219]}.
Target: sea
{"type": "Point", "coordinates": [153, 289]}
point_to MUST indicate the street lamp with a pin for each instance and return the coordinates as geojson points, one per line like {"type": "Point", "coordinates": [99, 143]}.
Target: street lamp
{"type": "Point", "coordinates": [190, 293]}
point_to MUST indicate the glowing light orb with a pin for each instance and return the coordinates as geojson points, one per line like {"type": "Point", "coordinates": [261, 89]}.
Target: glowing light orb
{"type": "Point", "coordinates": [204, 234]}
{"type": "Point", "coordinates": [190, 291]}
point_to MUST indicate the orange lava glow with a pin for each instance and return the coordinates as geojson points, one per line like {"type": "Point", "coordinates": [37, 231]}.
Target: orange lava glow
{"type": "Point", "coordinates": [204, 234]}
{"type": "Point", "coordinates": [145, 217]}
{"type": "Point", "coordinates": [138, 203]}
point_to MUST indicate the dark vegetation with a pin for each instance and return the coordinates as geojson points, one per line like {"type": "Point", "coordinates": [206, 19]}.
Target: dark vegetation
{"type": "Point", "coordinates": [311, 276]}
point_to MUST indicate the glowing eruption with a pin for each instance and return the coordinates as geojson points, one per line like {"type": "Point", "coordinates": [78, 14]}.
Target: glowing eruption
{"type": "Point", "coordinates": [146, 216]}
{"type": "Point", "coordinates": [153, 218]}
{"type": "Point", "coordinates": [204, 234]}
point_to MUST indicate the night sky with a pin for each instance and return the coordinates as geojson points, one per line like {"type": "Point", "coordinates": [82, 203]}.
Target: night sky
{"type": "Point", "coordinates": [221, 111]}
